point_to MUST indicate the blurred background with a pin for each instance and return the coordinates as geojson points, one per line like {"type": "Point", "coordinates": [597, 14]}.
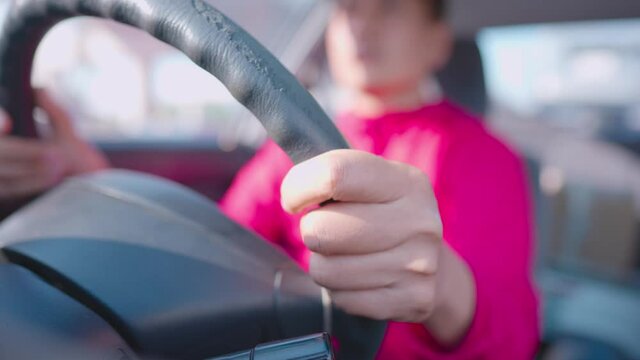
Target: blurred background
{"type": "Point", "coordinates": [560, 82]}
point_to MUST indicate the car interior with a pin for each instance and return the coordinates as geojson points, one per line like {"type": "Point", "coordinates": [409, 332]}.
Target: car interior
{"type": "Point", "coordinates": [582, 155]}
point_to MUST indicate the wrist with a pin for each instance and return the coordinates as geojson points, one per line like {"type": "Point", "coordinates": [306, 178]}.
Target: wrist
{"type": "Point", "coordinates": [455, 300]}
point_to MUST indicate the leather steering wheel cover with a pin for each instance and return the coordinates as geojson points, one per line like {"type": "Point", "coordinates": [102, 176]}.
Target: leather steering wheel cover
{"type": "Point", "coordinates": [292, 118]}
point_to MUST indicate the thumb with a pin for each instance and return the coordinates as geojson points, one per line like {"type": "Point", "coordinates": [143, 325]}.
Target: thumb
{"type": "Point", "coordinates": [59, 119]}
{"type": "Point", "coordinates": [5, 123]}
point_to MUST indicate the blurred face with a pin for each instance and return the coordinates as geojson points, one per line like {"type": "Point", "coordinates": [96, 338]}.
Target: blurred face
{"type": "Point", "coordinates": [385, 46]}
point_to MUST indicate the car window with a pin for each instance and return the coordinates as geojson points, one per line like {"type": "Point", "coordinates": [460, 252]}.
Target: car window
{"type": "Point", "coordinates": [121, 85]}
{"type": "Point", "coordinates": [568, 96]}
{"type": "Point", "coordinates": [574, 75]}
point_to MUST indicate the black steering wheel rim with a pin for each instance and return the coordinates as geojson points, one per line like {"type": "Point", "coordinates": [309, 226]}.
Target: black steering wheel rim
{"type": "Point", "coordinates": [291, 117]}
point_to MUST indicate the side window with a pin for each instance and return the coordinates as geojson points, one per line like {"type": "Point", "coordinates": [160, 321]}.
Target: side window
{"type": "Point", "coordinates": [568, 95]}
{"type": "Point", "coordinates": [573, 76]}
{"type": "Point", "coordinates": [120, 84]}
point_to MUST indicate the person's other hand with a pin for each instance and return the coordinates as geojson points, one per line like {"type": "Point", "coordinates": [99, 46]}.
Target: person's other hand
{"type": "Point", "coordinates": [31, 166]}
{"type": "Point", "coordinates": [378, 247]}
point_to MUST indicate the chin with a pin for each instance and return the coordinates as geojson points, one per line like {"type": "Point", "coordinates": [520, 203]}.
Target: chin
{"type": "Point", "coordinates": [363, 83]}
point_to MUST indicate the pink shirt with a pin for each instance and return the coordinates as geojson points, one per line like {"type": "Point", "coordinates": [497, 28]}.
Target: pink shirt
{"type": "Point", "coordinates": [481, 189]}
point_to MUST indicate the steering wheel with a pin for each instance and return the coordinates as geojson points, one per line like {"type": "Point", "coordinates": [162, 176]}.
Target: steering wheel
{"type": "Point", "coordinates": [252, 75]}
{"type": "Point", "coordinates": [291, 117]}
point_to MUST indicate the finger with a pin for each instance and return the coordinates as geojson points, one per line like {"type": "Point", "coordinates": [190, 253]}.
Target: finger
{"type": "Point", "coordinates": [345, 175]}
{"type": "Point", "coordinates": [5, 123]}
{"type": "Point", "coordinates": [17, 170]}
{"type": "Point", "coordinates": [49, 166]}
{"type": "Point", "coordinates": [363, 272]}
{"type": "Point", "coordinates": [37, 178]}
{"type": "Point", "coordinates": [377, 304]}
{"type": "Point", "coordinates": [17, 149]}
{"type": "Point", "coordinates": [39, 160]}
{"type": "Point", "coordinates": [403, 304]}
{"type": "Point", "coordinates": [372, 271]}
{"type": "Point", "coordinates": [374, 304]}
{"type": "Point", "coordinates": [25, 187]}
{"type": "Point", "coordinates": [353, 228]}
{"type": "Point", "coordinates": [59, 118]}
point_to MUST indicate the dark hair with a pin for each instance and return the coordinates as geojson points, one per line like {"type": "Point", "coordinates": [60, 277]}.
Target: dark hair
{"type": "Point", "coordinates": [438, 9]}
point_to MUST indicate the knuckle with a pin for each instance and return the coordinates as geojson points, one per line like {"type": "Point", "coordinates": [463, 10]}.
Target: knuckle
{"type": "Point", "coordinates": [423, 304]}
{"type": "Point", "coordinates": [334, 175]}
{"type": "Point", "coordinates": [429, 225]}
{"type": "Point", "coordinates": [421, 257]}
{"type": "Point", "coordinates": [427, 220]}
{"type": "Point", "coordinates": [419, 179]}
{"type": "Point", "coordinates": [421, 187]}
{"type": "Point", "coordinates": [424, 265]}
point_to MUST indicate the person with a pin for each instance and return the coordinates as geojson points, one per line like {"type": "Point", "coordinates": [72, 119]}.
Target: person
{"type": "Point", "coordinates": [429, 226]}
{"type": "Point", "coordinates": [31, 166]}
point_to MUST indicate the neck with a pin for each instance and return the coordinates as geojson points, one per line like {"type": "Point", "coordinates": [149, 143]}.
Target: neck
{"type": "Point", "coordinates": [370, 104]}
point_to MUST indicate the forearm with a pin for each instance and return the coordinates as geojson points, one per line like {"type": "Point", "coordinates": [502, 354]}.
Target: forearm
{"type": "Point", "coordinates": [455, 300]}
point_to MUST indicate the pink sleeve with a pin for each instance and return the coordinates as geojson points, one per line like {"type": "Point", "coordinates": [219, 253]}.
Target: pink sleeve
{"type": "Point", "coordinates": [483, 199]}
{"type": "Point", "coordinates": [253, 199]}
{"type": "Point", "coordinates": [487, 219]}
{"type": "Point", "coordinates": [484, 203]}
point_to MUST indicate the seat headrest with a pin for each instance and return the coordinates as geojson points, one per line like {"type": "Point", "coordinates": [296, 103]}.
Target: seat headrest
{"type": "Point", "coordinates": [462, 80]}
